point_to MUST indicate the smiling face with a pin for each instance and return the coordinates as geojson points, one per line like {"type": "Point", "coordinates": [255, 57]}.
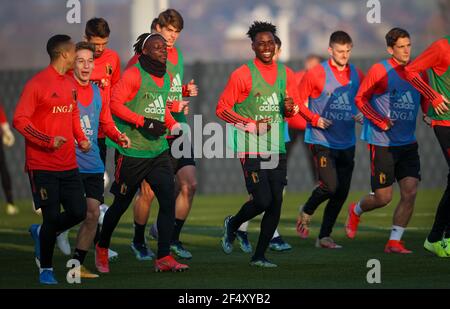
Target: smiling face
{"type": "Point", "coordinates": [401, 51]}
{"type": "Point", "coordinates": [264, 47]}
{"type": "Point", "coordinates": [156, 48]}
{"type": "Point", "coordinates": [84, 65]}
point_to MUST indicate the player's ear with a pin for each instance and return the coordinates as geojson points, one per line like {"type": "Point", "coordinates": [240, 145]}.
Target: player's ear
{"type": "Point", "coordinates": [390, 50]}
{"type": "Point", "coordinates": [85, 38]}
{"type": "Point", "coordinates": [330, 50]}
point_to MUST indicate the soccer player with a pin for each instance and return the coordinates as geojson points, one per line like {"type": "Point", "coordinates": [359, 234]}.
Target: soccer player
{"type": "Point", "coordinates": [47, 116]}
{"type": "Point", "coordinates": [170, 24]}
{"type": "Point", "coordinates": [437, 58]}
{"type": "Point", "coordinates": [139, 106]}
{"type": "Point", "coordinates": [7, 140]}
{"type": "Point", "coordinates": [330, 89]}
{"type": "Point", "coordinates": [93, 114]}
{"type": "Point", "coordinates": [105, 75]}
{"type": "Point", "coordinates": [390, 106]}
{"type": "Point", "coordinates": [297, 124]}
{"type": "Point", "coordinates": [256, 99]}
{"type": "Point", "coordinates": [106, 66]}
{"type": "Point", "coordinates": [277, 243]}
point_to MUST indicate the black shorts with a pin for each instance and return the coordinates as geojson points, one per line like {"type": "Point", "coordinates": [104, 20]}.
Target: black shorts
{"type": "Point", "coordinates": [392, 163]}
{"type": "Point", "coordinates": [56, 188]}
{"type": "Point", "coordinates": [94, 186]}
{"type": "Point", "coordinates": [130, 172]}
{"type": "Point", "coordinates": [254, 174]}
{"type": "Point", "coordinates": [179, 163]}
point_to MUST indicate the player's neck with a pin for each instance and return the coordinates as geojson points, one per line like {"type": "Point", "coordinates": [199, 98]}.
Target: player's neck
{"type": "Point", "coordinates": [402, 63]}
{"type": "Point", "coordinates": [59, 66]}
{"type": "Point", "coordinates": [339, 67]}
{"type": "Point", "coordinates": [81, 82]}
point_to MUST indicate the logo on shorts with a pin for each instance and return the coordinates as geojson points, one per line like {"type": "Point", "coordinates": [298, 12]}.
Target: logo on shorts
{"type": "Point", "coordinates": [123, 189]}
{"type": "Point", "coordinates": [44, 195]}
{"type": "Point", "coordinates": [382, 178]}
{"type": "Point", "coordinates": [323, 162]}
{"type": "Point", "coordinates": [255, 177]}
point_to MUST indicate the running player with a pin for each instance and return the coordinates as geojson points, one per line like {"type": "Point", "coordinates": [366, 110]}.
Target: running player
{"type": "Point", "coordinates": [170, 24]}
{"type": "Point", "coordinates": [330, 89]}
{"type": "Point", "coordinates": [255, 100]}
{"type": "Point", "coordinates": [139, 106]}
{"type": "Point", "coordinates": [93, 114]}
{"type": "Point", "coordinates": [7, 140]}
{"type": "Point", "coordinates": [437, 58]}
{"type": "Point", "coordinates": [297, 124]}
{"type": "Point", "coordinates": [390, 106]}
{"type": "Point", "coordinates": [47, 116]}
{"type": "Point", "coordinates": [277, 243]}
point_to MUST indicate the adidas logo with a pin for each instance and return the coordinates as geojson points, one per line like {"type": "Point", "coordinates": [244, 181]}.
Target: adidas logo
{"type": "Point", "coordinates": [269, 104]}
{"type": "Point", "coordinates": [402, 100]}
{"type": "Point", "coordinates": [176, 85]}
{"type": "Point", "coordinates": [54, 95]}
{"type": "Point", "coordinates": [156, 107]}
{"type": "Point", "coordinates": [86, 125]}
{"type": "Point", "coordinates": [341, 102]}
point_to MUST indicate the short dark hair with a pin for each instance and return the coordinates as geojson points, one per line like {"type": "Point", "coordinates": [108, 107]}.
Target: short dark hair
{"type": "Point", "coordinates": [394, 34]}
{"type": "Point", "coordinates": [153, 25]}
{"type": "Point", "coordinates": [277, 41]}
{"type": "Point", "coordinates": [314, 56]}
{"type": "Point", "coordinates": [340, 37]}
{"type": "Point", "coordinates": [97, 27]}
{"type": "Point", "coordinates": [55, 43]}
{"type": "Point", "coordinates": [85, 45]}
{"type": "Point", "coordinates": [170, 17]}
{"type": "Point", "coordinates": [260, 26]}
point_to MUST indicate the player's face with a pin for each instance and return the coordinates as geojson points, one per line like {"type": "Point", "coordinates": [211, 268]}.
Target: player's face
{"type": "Point", "coordinates": [170, 33]}
{"type": "Point", "coordinates": [277, 54]}
{"type": "Point", "coordinates": [156, 49]}
{"type": "Point", "coordinates": [99, 43]}
{"type": "Point", "coordinates": [311, 63]}
{"type": "Point", "coordinates": [264, 47]}
{"type": "Point", "coordinates": [401, 51]}
{"type": "Point", "coordinates": [340, 53]}
{"type": "Point", "coordinates": [84, 64]}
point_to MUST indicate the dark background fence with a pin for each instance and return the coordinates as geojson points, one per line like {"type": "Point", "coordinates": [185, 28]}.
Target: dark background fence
{"type": "Point", "coordinates": [217, 176]}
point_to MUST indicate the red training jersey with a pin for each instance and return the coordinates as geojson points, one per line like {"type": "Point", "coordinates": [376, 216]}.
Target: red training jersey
{"type": "Point", "coordinates": [436, 57]}
{"type": "Point", "coordinates": [239, 86]}
{"type": "Point", "coordinates": [125, 90]}
{"type": "Point", "coordinates": [47, 108]}
{"type": "Point", "coordinates": [376, 82]}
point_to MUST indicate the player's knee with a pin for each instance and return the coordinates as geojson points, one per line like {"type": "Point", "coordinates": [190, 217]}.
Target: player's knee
{"type": "Point", "coordinates": [383, 199]}
{"type": "Point", "coordinates": [409, 194]}
{"type": "Point", "coordinates": [263, 202]}
{"type": "Point", "coordinates": [92, 215]}
{"type": "Point", "coordinates": [328, 188]}
{"type": "Point", "coordinates": [188, 189]}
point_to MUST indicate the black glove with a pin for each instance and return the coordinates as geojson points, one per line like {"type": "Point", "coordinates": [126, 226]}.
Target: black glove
{"type": "Point", "coordinates": [154, 127]}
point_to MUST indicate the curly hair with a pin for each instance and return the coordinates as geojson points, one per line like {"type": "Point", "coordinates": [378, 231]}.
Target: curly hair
{"type": "Point", "coordinates": [260, 26]}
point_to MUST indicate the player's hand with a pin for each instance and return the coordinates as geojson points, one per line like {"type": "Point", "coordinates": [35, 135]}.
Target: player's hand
{"type": "Point", "coordinates": [184, 107]}
{"type": "Point", "coordinates": [442, 108]}
{"type": "Point", "coordinates": [58, 141]}
{"type": "Point", "coordinates": [389, 124]}
{"type": "Point", "coordinates": [7, 137]}
{"type": "Point", "coordinates": [263, 126]}
{"type": "Point", "coordinates": [154, 127]}
{"type": "Point", "coordinates": [288, 103]}
{"type": "Point", "coordinates": [85, 146]}
{"type": "Point", "coordinates": [359, 118]}
{"type": "Point", "coordinates": [192, 89]}
{"type": "Point", "coordinates": [323, 123]}
{"type": "Point", "coordinates": [427, 120]}
{"type": "Point", "coordinates": [124, 141]}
